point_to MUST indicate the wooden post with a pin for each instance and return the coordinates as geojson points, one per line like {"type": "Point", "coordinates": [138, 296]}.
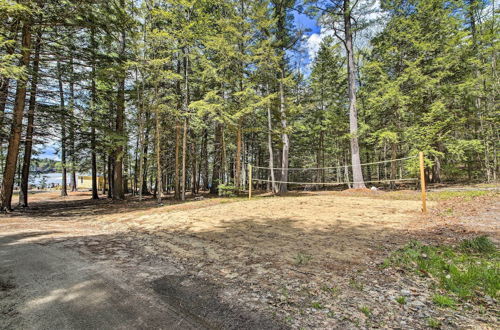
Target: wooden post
{"type": "Point", "coordinates": [249, 181]}
{"type": "Point", "coordinates": [422, 182]}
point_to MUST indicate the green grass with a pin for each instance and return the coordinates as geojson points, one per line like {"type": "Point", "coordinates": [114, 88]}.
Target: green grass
{"type": "Point", "coordinates": [365, 310]}
{"type": "Point", "coordinates": [353, 283]}
{"type": "Point", "coordinates": [332, 290]}
{"type": "Point", "coordinates": [466, 194]}
{"type": "Point", "coordinates": [316, 305]}
{"type": "Point", "coordinates": [433, 323]}
{"type": "Point", "coordinates": [481, 245]}
{"type": "Point", "coordinates": [401, 300]}
{"type": "Point", "coordinates": [443, 301]}
{"type": "Point", "coordinates": [468, 271]}
{"type": "Point", "coordinates": [302, 259]}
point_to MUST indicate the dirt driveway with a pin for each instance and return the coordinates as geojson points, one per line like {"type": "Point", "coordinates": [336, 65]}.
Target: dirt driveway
{"type": "Point", "coordinates": [54, 288]}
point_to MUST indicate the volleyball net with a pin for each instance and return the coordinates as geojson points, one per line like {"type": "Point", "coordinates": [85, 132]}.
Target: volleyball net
{"type": "Point", "coordinates": [386, 172]}
{"type": "Point", "coordinates": [400, 171]}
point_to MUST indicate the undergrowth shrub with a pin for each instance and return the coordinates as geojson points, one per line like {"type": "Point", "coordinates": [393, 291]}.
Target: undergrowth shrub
{"type": "Point", "coordinates": [227, 190]}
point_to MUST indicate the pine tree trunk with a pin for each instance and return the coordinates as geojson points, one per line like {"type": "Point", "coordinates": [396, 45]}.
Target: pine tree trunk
{"type": "Point", "coordinates": [139, 178]}
{"type": "Point", "coordinates": [204, 159]}
{"type": "Point", "coordinates": [17, 124]}
{"type": "Point", "coordinates": [270, 147]}
{"type": "Point", "coordinates": [126, 160]}
{"type": "Point", "coordinates": [177, 181]}
{"type": "Point", "coordinates": [4, 93]}
{"type": "Point", "coordinates": [284, 136]}
{"type": "Point", "coordinates": [93, 144]}
{"type": "Point", "coordinates": [184, 154]}
{"type": "Point", "coordinates": [104, 174]}
{"type": "Point", "coordinates": [394, 155]}
{"type": "Point", "coordinates": [216, 170]}
{"type": "Point", "coordinates": [118, 192]}
{"type": "Point", "coordinates": [353, 112]}
{"type": "Point", "coordinates": [5, 84]}
{"type": "Point", "coordinates": [144, 189]}
{"type": "Point", "coordinates": [237, 176]}
{"type": "Point", "coordinates": [62, 109]}
{"type": "Point", "coordinates": [159, 189]}
{"type": "Point", "coordinates": [110, 177]}
{"type": "Point", "coordinates": [72, 127]}
{"type": "Point", "coordinates": [28, 145]}
{"type": "Point", "coordinates": [223, 156]}
{"type": "Point", "coordinates": [193, 163]}
{"type": "Point", "coordinates": [185, 111]}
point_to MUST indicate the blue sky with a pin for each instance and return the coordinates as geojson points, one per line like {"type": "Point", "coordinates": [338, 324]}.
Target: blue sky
{"type": "Point", "coordinates": [304, 22]}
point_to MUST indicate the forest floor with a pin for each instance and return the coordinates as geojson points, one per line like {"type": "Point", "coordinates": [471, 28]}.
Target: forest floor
{"type": "Point", "coordinates": [306, 260]}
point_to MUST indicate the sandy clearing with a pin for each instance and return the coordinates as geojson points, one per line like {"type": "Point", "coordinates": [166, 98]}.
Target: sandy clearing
{"type": "Point", "coordinates": [267, 254]}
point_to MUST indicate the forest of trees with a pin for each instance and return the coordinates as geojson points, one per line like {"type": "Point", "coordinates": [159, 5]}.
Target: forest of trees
{"type": "Point", "coordinates": [179, 96]}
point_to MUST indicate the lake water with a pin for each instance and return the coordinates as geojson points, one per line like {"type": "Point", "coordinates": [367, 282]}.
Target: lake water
{"type": "Point", "coordinates": [49, 178]}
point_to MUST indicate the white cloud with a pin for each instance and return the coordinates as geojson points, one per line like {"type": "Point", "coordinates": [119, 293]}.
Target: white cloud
{"type": "Point", "coordinates": [372, 13]}
{"type": "Point", "coordinates": [314, 41]}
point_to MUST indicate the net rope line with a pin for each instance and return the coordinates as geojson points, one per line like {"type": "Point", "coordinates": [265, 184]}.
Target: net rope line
{"type": "Point", "coordinates": [332, 183]}
{"type": "Point", "coordinates": [332, 167]}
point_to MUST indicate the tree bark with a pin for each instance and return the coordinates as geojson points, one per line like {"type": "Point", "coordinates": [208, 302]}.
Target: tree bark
{"type": "Point", "coordinates": [118, 192]}
{"type": "Point", "coordinates": [28, 145]}
{"type": "Point", "coordinates": [237, 175]}
{"type": "Point", "coordinates": [17, 124]}
{"type": "Point", "coordinates": [216, 170]}
{"type": "Point", "coordinates": [4, 93]}
{"type": "Point", "coordinates": [270, 147]}
{"type": "Point", "coordinates": [394, 154]}
{"type": "Point", "coordinates": [64, 185]}
{"type": "Point", "coordinates": [184, 154]}
{"type": "Point", "coordinates": [72, 127]}
{"type": "Point", "coordinates": [204, 159]}
{"type": "Point", "coordinates": [126, 159]}
{"type": "Point", "coordinates": [177, 181]}
{"type": "Point", "coordinates": [110, 177]}
{"type": "Point", "coordinates": [104, 174]}
{"type": "Point", "coordinates": [144, 189]}
{"type": "Point", "coordinates": [159, 189]}
{"type": "Point", "coordinates": [185, 132]}
{"type": "Point", "coordinates": [284, 136]}
{"type": "Point", "coordinates": [93, 98]}
{"type": "Point", "coordinates": [193, 164]}
{"type": "Point", "coordinates": [353, 112]}
{"type": "Point", "coordinates": [5, 84]}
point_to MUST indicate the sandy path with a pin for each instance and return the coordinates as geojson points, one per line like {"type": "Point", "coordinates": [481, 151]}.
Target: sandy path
{"type": "Point", "coordinates": [58, 289]}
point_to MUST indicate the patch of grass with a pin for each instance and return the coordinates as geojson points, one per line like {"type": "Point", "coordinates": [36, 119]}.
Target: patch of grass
{"type": "Point", "coordinates": [332, 290]}
{"type": "Point", "coordinates": [302, 258]}
{"type": "Point", "coordinates": [317, 305]}
{"type": "Point", "coordinates": [353, 283]}
{"type": "Point", "coordinates": [481, 244]}
{"type": "Point", "coordinates": [468, 271]}
{"type": "Point", "coordinates": [443, 301]}
{"type": "Point", "coordinates": [401, 300]}
{"type": "Point", "coordinates": [433, 323]}
{"type": "Point", "coordinates": [288, 319]}
{"type": "Point", "coordinates": [365, 310]}
{"type": "Point", "coordinates": [448, 212]}
{"type": "Point", "coordinates": [466, 194]}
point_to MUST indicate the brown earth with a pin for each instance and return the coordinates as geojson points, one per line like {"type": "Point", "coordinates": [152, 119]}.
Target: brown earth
{"type": "Point", "coordinates": [308, 259]}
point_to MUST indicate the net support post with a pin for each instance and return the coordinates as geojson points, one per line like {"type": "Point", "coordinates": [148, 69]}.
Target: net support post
{"type": "Point", "coordinates": [249, 181]}
{"type": "Point", "coordinates": [422, 182]}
